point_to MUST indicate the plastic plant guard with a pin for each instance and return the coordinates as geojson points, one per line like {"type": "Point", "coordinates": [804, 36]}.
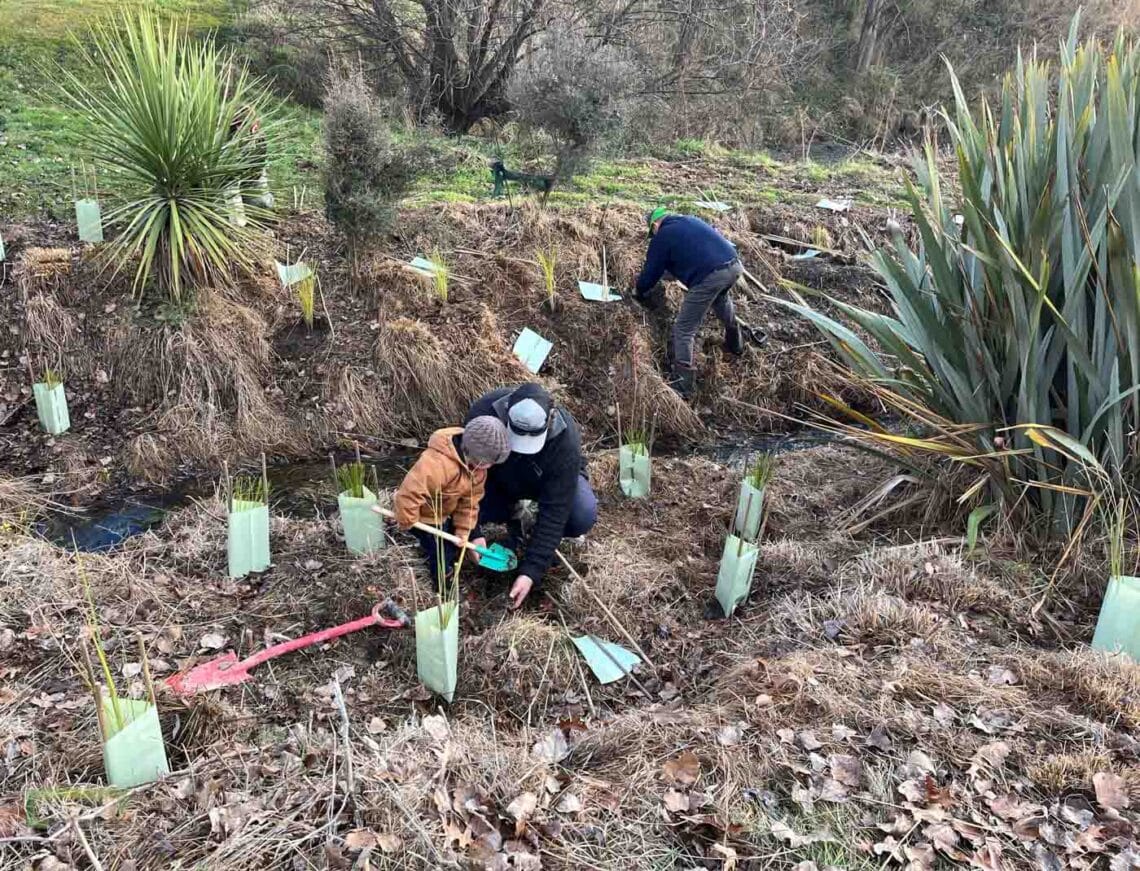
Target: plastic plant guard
{"type": "Point", "coordinates": [51, 407]}
{"type": "Point", "coordinates": [422, 264]}
{"type": "Point", "coordinates": [89, 219]}
{"type": "Point", "coordinates": [290, 275]}
{"type": "Point", "coordinates": [437, 650]}
{"type": "Point", "coordinates": [633, 471]}
{"type": "Point", "coordinates": [606, 668]}
{"type": "Point", "coordinates": [749, 512]}
{"type": "Point", "coordinates": [596, 292]}
{"type": "Point", "coordinates": [834, 205]}
{"type": "Point", "coordinates": [2, 255]}
{"type": "Point", "coordinates": [810, 254]}
{"type": "Point", "coordinates": [532, 349]}
{"type": "Point", "coordinates": [734, 580]}
{"type": "Point", "coordinates": [1118, 627]}
{"type": "Point", "coordinates": [134, 754]}
{"type": "Point", "coordinates": [363, 527]}
{"type": "Point", "coordinates": [713, 205]}
{"type": "Point", "coordinates": [248, 545]}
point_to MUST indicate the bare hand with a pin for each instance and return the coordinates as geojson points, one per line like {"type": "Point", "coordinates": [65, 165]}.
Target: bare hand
{"type": "Point", "coordinates": [478, 542]}
{"type": "Point", "coordinates": [520, 590]}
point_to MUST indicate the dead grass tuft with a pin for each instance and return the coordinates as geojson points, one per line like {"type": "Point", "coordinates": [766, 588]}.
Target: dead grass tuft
{"type": "Point", "coordinates": [42, 270]}
{"type": "Point", "coordinates": [49, 328]}
{"type": "Point", "coordinates": [1093, 684]}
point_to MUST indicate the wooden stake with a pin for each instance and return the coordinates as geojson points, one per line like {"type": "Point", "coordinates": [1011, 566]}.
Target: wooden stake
{"type": "Point", "coordinates": [146, 670]}
{"type": "Point", "coordinates": [605, 610]}
{"type": "Point", "coordinates": [228, 486]}
{"type": "Point", "coordinates": [96, 692]}
{"type": "Point", "coordinates": [336, 481]}
{"type": "Point", "coordinates": [264, 478]}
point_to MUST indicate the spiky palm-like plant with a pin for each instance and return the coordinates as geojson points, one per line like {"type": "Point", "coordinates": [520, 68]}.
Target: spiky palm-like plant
{"type": "Point", "coordinates": [184, 126]}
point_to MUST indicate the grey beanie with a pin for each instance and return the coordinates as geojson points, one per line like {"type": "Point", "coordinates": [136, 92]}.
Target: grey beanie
{"type": "Point", "coordinates": [485, 440]}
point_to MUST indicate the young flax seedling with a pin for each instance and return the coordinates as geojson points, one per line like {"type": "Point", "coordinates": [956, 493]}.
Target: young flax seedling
{"type": "Point", "coordinates": [95, 632]}
{"type": "Point", "coordinates": [352, 478]}
{"type": "Point", "coordinates": [441, 276]}
{"type": "Point", "coordinates": [447, 586]}
{"type": "Point", "coordinates": [249, 489]}
{"type": "Point", "coordinates": [547, 260]}
{"type": "Point", "coordinates": [52, 379]}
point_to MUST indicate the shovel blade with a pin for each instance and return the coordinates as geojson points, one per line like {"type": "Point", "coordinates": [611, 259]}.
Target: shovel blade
{"type": "Point", "coordinates": [224, 671]}
{"type": "Point", "coordinates": [497, 558]}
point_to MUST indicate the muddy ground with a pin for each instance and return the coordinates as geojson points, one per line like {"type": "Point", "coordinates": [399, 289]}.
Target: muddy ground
{"type": "Point", "coordinates": [884, 699]}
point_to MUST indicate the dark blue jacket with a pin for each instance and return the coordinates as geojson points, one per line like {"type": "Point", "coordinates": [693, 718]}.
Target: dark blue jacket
{"type": "Point", "coordinates": [549, 477]}
{"type": "Point", "coordinates": [688, 249]}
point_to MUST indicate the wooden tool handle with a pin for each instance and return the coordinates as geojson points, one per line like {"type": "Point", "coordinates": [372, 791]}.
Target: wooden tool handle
{"type": "Point", "coordinates": [432, 530]}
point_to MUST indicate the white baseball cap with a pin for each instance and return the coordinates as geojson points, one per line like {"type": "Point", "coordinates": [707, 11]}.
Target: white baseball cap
{"type": "Point", "coordinates": [528, 419]}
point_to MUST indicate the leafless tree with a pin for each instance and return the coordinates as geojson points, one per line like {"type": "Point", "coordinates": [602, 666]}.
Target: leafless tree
{"type": "Point", "coordinates": [455, 56]}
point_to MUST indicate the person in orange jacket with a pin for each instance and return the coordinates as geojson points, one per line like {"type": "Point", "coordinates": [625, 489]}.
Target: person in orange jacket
{"type": "Point", "coordinates": [446, 484]}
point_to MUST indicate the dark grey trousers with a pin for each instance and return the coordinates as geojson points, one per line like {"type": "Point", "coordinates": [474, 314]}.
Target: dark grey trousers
{"type": "Point", "coordinates": [711, 292]}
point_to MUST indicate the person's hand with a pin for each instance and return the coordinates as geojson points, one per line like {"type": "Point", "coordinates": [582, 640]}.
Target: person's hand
{"type": "Point", "coordinates": [520, 590]}
{"type": "Point", "coordinates": [478, 542]}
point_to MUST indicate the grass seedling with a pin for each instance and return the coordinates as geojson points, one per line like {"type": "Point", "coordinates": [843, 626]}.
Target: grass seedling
{"type": "Point", "coordinates": [306, 298]}
{"type": "Point", "coordinates": [52, 379]}
{"type": "Point", "coordinates": [447, 584]}
{"type": "Point", "coordinates": [247, 488]}
{"type": "Point", "coordinates": [441, 276]}
{"type": "Point", "coordinates": [95, 633]}
{"type": "Point", "coordinates": [352, 478]}
{"type": "Point", "coordinates": [820, 238]}
{"type": "Point", "coordinates": [761, 470]}
{"type": "Point", "coordinates": [547, 260]}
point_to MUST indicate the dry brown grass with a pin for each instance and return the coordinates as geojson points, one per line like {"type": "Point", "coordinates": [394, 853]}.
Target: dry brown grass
{"type": "Point", "coordinates": [42, 270]}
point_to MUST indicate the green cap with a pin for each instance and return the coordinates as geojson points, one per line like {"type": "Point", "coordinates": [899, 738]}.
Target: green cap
{"type": "Point", "coordinates": [656, 215]}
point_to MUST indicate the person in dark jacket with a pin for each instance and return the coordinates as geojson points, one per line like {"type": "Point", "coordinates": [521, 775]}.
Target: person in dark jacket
{"type": "Point", "coordinates": [695, 254]}
{"type": "Point", "coordinates": [545, 464]}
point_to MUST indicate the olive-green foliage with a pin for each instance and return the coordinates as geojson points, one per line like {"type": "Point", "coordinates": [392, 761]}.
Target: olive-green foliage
{"type": "Point", "coordinates": [366, 172]}
{"type": "Point", "coordinates": [183, 129]}
{"type": "Point", "coordinates": [1025, 311]}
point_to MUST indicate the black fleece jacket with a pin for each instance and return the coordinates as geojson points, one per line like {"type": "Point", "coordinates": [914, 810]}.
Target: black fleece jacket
{"type": "Point", "coordinates": [549, 477]}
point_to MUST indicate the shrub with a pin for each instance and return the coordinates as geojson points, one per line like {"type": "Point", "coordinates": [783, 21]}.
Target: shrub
{"type": "Point", "coordinates": [366, 173]}
{"type": "Point", "coordinates": [1022, 314]}
{"type": "Point", "coordinates": [182, 125]}
{"type": "Point", "coordinates": [575, 92]}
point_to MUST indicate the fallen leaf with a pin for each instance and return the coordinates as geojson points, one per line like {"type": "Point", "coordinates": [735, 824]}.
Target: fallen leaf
{"type": "Point", "coordinates": [358, 839]}
{"type": "Point", "coordinates": [1077, 811]}
{"type": "Point", "coordinates": [805, 865]}
{"type": "Point", "coordinates": [807, 740]}
{"type": "Point", "coordinates": [784, 832]}
{"type": "Point", "coordinates": [675, 802]}
{"type": "Point", "coordinates": [1111, 791]}
{"type": "Point", "coordinates": [786, 735]}
{"type": "Point", "coordinates": [729, 736]}
{"type": "Point", "coordinates": [552, 747]}
{"type": "Point", "coordinates": [1011, 807]}
{"type": "Point", "coordinates": [436, 726]}
{"type": "Point", "coordinates": [920, 856]}
{"type": "Point", "coordinates": [988, 857]}
{"type": "Point", "coordinates": [943, 837]}
{"type": "Point", "coordinates": [523, 806]}
{"type": "Point", "coordinates": [683, 769]}
{"type": "Point", "coordinates": [839, 732]}
{"type": "Point", "coordinates": [846, 769]}
{"type": "Point", "coordinates": [879, 739]}
{"type": "Point", "coordinates": [376, 726]}
{"type": "Point", "coordinates": [912, 791]}
{"type": "Point", "coordinates": [999, 675]}
{"type": "Point", "coordinates": [729, 855]}
{"type": "Point", "coordinates": [920, 762]}
{"type": "Point", "coordinates": [390, 843]}
{"type": "Point", "coordinates": [833, 791]}
{"type": "Point", "coordinates": [11, 821]}
{"type": "Point", "coordinates": [993, 754]}
{"type": "Point", "coordinates": [944, 714]}
{"type": "Point", "coordinates": [889, 846]}
{"type": "Point", "coordinates": [212, 641]}
{"type": "Point", "coordinates": [570, 804]}
{"type": "Point", "coordinates": [803, 797]}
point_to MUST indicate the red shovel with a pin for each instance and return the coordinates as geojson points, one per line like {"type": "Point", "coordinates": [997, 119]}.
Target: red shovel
{"type": "Point", "coordinates": [227, 670]}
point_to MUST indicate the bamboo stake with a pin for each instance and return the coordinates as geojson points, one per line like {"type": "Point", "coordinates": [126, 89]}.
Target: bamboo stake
{"type": "Point", "coordinates": [96, 692]}
{"type": "Point", "coordinates": [264, 478]}
{"type": "Point", "coordinates": [146, 670]}
{"type": "Point", "coordinates": [605, 610]}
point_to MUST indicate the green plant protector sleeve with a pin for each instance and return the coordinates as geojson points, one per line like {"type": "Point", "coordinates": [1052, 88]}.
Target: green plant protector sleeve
{"type": "Point", "coordinates": [596, 292]}
{"type": "Point", "coordinates": [606, 668]}
{"type": "Point", "coordinates": [713, 205]}
{"type": "Point", "coordinates": [633, 471]}
{"type": "Point", "coordinates": [437, 649]}
{"type": "Point", "coordinates": [363, 527]}
{"type": "Point", "coordinates": [90, 220]}
{"type": "Point", "coordinates": [532, 349]}
{"type": "Point", "coordinates": [422, 264]}
{"type": "Point", "coordinates": [2, 254]}
{"type": "Point", "coordinates": [51, 407]}
{"type": "Point", "coordinates": [734, 580]}
{"type": "Point", "coordinates": [248, 544]}
{"type": "Point", "coordinates": [133, 754]}
{"type": "Point", "coordinates": [292, 274]}
{"type": "Point", "coordinates": [749, 512]}
{"type": "Point", "coordinates": [1118, 627]}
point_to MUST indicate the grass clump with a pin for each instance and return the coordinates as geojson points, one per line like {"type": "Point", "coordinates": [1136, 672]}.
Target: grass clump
{"type": "Point", "coordinates": [305, 290]}
{"type": "Point", "coordinates": [352, 478]}
{"type": "Point", "coordinates": [760, 471]}
{"type": "Point", "coordinates": [440, 276]}
{"type": "Point", "coordinates": [52, 379]}
{"type": "Point", "coordinates": [547, 261]}
{"type": "Point", "coordinates": [181, 124]}
{"type": "Point", "coordinates": [249, 489]}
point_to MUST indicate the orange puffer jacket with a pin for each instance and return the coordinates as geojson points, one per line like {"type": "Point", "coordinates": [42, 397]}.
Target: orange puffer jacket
{"type": "Point", "coordinates": [441, 470]}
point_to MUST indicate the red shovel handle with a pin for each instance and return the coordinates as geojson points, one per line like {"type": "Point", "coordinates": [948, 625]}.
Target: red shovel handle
{"type": "Point", "coordinates": [377, 617]}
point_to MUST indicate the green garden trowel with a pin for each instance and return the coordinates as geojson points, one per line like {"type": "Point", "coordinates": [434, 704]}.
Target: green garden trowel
{"type": "Point", "coordinates": [494, 557]}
